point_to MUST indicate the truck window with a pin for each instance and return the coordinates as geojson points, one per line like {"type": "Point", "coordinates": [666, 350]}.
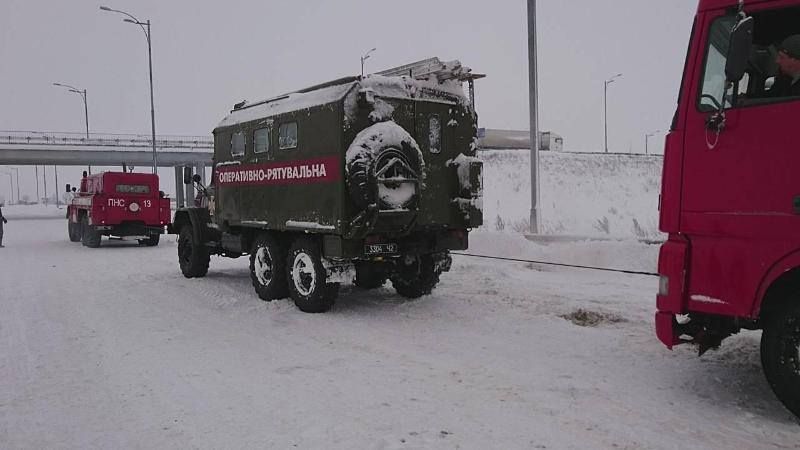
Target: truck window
{"type": "Point", "coordinates": [434, 134]}
{"type": "Point", "coordinates": [764, 82]}
{"type": "Point", "coordinates": [287, 135]}
{"type": "Point", "coordinates": [237, 144]}
{"type": "Point", "coordinates": [261, 140]}
{"type": "Point", "coordinates": [133, 189]}
{"type": "Point", "coordinates": [714, 71]}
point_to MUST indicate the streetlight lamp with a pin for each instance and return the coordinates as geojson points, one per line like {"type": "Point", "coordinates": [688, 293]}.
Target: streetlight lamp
{"type": "Point", "coordinates": [364, 58]}
{"type": "Point", "coordinates": [146, 29]}
{"type": "Point", "coordinates": [605, 108]}
{"type": "Point", "coordinates": [647, 136]}
{"type": "Point", "coordinates": [82, 93]}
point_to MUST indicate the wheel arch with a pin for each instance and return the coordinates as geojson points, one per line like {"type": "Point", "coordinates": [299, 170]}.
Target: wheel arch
{"type": "Point", "coordinates": [782, 278]}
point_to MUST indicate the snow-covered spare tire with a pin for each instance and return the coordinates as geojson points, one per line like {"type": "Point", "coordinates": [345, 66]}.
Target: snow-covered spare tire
{"type": "Point", "coordinates": [384, 166]}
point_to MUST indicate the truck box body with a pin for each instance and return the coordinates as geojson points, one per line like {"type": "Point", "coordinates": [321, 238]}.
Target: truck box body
{"type": "Point", "coordinates": [374, 176]}
{"type": "Point", "coordinates": [119, 204]}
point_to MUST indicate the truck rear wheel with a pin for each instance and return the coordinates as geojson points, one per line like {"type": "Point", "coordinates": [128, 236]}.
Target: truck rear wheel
{"type": "Point", "coordinates": [74, 231]}
{"type": "Point", "coordinates": [416, 275]}
{"type": "Point", "coordinates": [307, 278]}
{"type": "Point", "coordinates": [780, 354]}
{"type": "Point", "coordinates": [152, 241]}
{"type": "Point", "coordinates": [192, 255]}
{"type": "Point", "coordinates": [89, 236]}
{"type": "Point", "coordinates": [268, 268]}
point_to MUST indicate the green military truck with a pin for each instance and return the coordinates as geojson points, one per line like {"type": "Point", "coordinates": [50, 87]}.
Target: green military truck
{"type": "Point", "coordinates": [362, 179]}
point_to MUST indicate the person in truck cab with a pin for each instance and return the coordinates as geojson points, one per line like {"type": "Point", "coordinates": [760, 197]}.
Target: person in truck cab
{"type": "Point", "coordinates": [787, 83]}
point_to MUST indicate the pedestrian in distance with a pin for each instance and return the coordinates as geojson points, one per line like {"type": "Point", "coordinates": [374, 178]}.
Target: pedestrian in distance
{"type": "Point", "coordinates": [3, 220]}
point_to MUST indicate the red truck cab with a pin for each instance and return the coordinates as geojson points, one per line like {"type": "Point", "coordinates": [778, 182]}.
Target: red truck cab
{"type": "Point", "coordinates": [120, 204]}
{"type": "Point", "coordinates": [730, 198]}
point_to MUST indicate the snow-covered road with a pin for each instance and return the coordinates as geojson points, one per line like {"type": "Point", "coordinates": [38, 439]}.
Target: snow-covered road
{"type": "Point", "coordinates": [113, 348]}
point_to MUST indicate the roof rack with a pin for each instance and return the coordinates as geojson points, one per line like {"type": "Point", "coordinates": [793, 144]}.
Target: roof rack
{"type": "Point", "coordinates": [433, 67]}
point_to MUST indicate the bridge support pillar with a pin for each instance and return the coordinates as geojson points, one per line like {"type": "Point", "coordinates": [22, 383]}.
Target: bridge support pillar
{"type": "Point", "coordinates": [201, 169]}
{"type": "Point", "coordinates": [179, 187]}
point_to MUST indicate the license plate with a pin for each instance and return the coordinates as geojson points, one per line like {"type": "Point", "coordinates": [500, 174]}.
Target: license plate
{"type": "Point", "coordinates": [380, 249]}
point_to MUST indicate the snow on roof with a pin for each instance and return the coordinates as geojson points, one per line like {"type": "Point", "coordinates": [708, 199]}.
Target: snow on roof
{"type": "Point", "coordinates": [291, 102]}
{"type": "Point", "coordinates": [382, 86]}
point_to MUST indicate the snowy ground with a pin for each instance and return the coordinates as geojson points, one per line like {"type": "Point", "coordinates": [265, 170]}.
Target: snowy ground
{"type": "Point", "coordinates": [113, 348]}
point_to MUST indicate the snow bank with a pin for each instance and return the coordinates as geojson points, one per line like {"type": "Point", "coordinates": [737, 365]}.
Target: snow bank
{"type": "Point", "coordinates": [19, 212]}
{"type": "Point", "coordinates": [580, 194]}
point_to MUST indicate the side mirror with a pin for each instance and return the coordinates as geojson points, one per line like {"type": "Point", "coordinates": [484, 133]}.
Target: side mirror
{"type": "Point", "coordinates": [69, 188]}
{"type": "Point", "coordinates": [739, 50]}
{"type": "Point", "coordinates": [197, 178]}
{"type": "Point", "coordinates": [187, 175]}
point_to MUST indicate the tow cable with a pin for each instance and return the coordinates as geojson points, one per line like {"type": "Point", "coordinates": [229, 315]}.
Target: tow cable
{"type": "Point", "coordinates": [546, 263]}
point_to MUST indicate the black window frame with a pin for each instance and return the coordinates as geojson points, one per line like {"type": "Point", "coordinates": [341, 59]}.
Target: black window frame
{"type": "Point", "coordinates": [268, 148]}
{"type": "Point", "coordinates": [281, 137]}
{"type": "Point", "coordinates": [244, 144]}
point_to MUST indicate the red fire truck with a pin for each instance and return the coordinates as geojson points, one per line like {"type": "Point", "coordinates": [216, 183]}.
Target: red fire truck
{"type": "Point", "coordinates": [119, 204]}
{"type": "Point", "coordinates": [730, 198]}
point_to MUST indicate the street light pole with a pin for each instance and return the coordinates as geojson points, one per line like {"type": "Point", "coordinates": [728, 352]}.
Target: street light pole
{"type": "Point", "coordinates": [11, 186]}
{"type": "Point", "coordinates": [647, 137]}
{"type": "Point", "coordinates": [16, 169]}
{"type": "Point", "coordinates": [146, 29]}
{"type": "Point", "coordinates": [533, 105]}
{"type": "Point", "coordinates": [82, 93]}
{"type": "Point", "coordinates": [605, 108]}
{"type": "Point", "coordinates": [364, 58]}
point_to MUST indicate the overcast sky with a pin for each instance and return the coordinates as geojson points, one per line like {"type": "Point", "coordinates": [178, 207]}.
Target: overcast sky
{"type": "Point", "coordinates": [208, 55]}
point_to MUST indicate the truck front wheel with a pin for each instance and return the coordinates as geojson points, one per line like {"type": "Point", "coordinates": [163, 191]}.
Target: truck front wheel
{"type": "Point", "coordinates": [268, 268]}
{"type": "Point", "coordinates": [192, 256]}
{"type": "Point", "coordinates": [307, 278]}
{"type": "Point", "coordinates": [89, 236]}
{"type": "Point", "coordinates": [780, 354]}
{"type": "Point", "coordinates": [416, 275]}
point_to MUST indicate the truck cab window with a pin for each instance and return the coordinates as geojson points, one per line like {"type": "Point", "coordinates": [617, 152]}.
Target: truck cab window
{"type": "Point", "coordinates": [711, 97]}
{"type": "Point", "coordinates": [237, 144]}
{"type": "Point", "coordinates": [772, 74]}
{"type": "Point", "coordinates": [287, 135]}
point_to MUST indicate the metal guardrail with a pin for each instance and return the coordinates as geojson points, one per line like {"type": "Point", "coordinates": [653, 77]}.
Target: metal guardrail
{"type": "Point", "coordinates": [103, 140]}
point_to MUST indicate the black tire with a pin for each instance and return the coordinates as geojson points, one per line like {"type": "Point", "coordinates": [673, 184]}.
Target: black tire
{"type": "Point", "coordinates": [268, 268]}
{"type": "Point", "coordinates": [306, 277]}
{"type": "Point", "coordinates": [370, 275]}
{"type": "Point", "coordinates": [780, 354]}
{"type": "Point", "coordinates": [152, 241]}
{"type": "Point", "coordinates": [416, 275]}
{"type": "Point", "coordinates": [369, 150]}
{"type": "Point", "coordinates": [193, 257]}
{"type": "Point", "coordinates": [74, 231]}
{"type": "Point", "coordinates": [89, 236]}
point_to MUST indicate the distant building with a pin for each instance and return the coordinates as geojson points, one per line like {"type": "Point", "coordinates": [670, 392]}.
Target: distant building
{"type": "Point", "coordinates": [489, 138]}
